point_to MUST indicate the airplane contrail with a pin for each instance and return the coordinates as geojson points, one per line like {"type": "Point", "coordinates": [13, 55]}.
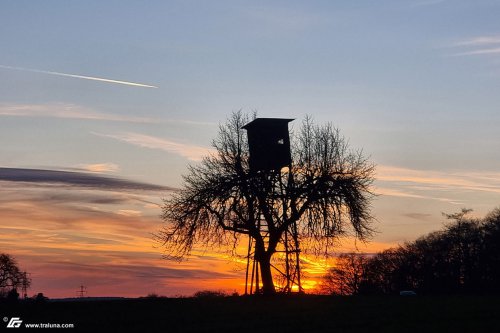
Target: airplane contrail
{"type": "Point", "coordinates": [79, 76]}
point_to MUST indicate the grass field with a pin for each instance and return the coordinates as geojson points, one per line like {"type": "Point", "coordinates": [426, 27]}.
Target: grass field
{"type": "Point", "coordinates": [279, 314]}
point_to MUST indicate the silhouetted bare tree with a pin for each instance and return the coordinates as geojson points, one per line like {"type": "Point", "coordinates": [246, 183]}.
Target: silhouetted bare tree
{"type": "Point", "coordinates": [326, 193]}
{"type": "Point", "coordinates": [11, 277]}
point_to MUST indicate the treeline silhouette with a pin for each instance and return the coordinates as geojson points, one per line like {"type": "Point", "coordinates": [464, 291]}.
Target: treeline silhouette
{"type": "Point", "coordinates": [464, 257]}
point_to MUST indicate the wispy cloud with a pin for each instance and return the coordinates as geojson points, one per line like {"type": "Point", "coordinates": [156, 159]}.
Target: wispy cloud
{"type": "Point", "coordinates": [99, 167]}
{"type": "Point", "coordinates": [430, 179]}
{"type": "Point", "coordinates": [452, 187]}
{"type": "Point", "coordinates": [478, 52]}
{"type": "Point", "coordinates": [481, 40]}
{"type": "Point", "coordinates": [129, 212]}
{"type": "Point", "coordinates": [73, 111]}
{"type": "Point", "coordinates": [409, 193]}
{"type": "Point", "coordinates": [191, 152]}
{"type": "Point", "coordinates": [418, 216]}
{"type": "Point", "coordinates": [480, 45]}
{"type": "Point", "coordinates": [69, 111]}
{"type": "Point", "coordinates": [93, 78]}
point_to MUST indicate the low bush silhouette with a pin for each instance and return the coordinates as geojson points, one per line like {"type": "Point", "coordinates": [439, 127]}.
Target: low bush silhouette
{"type": "Point", "coordinates": [209, 294]}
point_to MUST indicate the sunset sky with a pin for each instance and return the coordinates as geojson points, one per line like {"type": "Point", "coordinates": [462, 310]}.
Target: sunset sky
{"type": "Point", "coordinates": [103, 104]}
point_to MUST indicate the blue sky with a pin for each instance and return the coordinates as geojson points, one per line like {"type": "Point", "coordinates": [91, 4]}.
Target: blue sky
{"type": "Point", "coordinates": [413, 83]}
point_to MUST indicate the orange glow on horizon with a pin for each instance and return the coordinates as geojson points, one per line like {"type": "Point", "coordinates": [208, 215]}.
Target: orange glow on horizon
{"type": "Point", "coordinates": [64, 243]}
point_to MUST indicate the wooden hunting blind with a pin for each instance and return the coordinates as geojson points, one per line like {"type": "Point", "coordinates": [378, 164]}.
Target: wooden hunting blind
{"type": "Point", "coordinates": [268, 143]}
{"type": "Point", "coordinates": [269, 148]}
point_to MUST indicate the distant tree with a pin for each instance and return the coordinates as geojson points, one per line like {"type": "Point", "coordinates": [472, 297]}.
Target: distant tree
{"type": "Point", "coordinates": [464, 237]}
{"type": "Point", "coordinates": [381, 272]}
{"type": "Point", "coordinates": [425, 265]}
{"type": "Point", "coordinates": [489, 260]}
{"type": "Point", "coordinates": [326, 193]}
{"type": "Point", "coordinates": [11, 277]}
{"type": "Point", "coordinates": [346, 277]}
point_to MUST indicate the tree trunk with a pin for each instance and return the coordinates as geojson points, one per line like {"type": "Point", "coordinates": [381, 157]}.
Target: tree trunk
{"type": "Point", "coordinates": [266, 275]}
{"type": "Point", "coordinates": [263, 257]}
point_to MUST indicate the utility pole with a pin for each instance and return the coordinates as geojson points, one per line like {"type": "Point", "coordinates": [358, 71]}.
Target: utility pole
{"type": "Point", "coordinates": [82, 291]}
